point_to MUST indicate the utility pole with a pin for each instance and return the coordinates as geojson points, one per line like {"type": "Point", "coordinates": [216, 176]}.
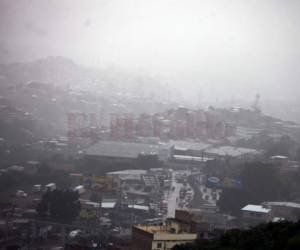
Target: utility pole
{"type": "Point", "coordinates": [98, 211]}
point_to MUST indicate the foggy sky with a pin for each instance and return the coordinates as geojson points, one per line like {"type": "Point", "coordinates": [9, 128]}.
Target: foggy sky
{"type": "Point", "coordinates": [224, 49]}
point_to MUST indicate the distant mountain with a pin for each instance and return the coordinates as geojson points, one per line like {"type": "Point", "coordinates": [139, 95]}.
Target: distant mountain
{"type": "Point", "coordinates": [65, 73]}
{"type": "Point", "coordinates": [49, 89]}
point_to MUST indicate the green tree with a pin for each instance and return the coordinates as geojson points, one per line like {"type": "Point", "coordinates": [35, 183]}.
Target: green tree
{"type": "Point", "coordinates": [260, 182]}
{"type": "Point", "coordinates": [282, 147]}
{"type": "Point", "coordinates": [232, 200]}
{"type": "Point", "coordinates": [270, 236]}
{"type": "Point", "coordinates": [294, 243]}
{"type": "Point", "coordinates": [59, 205]}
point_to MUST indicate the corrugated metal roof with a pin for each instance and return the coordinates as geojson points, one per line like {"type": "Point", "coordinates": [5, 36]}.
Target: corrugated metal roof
{"type": "Point", "coordinates": [256, 208]}
{"type": "Point", "coordinates": [103, 204]}
{"type": "Point", "coordinates": [282, 204]}
{"type": "Point", "coordinates": [189, 145]}
{"type": "Point", "coordinates": [192, 158]}
{"type": "Point", "coordinates": [231, 151]}
{"type": "Point", "coordinates": [122, 149]}
{"type": "Point", "coordinates": [139, 207]}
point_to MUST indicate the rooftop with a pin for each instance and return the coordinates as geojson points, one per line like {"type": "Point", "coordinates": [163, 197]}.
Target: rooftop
{"type": "Point", "coordinates": [122, 149]}
{"type": "Point", "coordinates": [256, 208]}
{"type": "Point", "coordinates": [163, 229]}
{"type": "Point", "coordinates": [103, 204]}
{"type": "Point", "coordinates": [191, 158]}
{"type": "Point", "coordinates": [231, 151]}
{"type": "Point", "coordinates": [165, 232]}
{"type": "Point", "coordinates": [130, 174]}
{"type": "Point", "coordinates": [150, 180]}
{"type": "Point", "coordinates": [139, 207]}
{"type": "Point", "coordinates": [282, 203]}
{"type": "Point", "coordinates": [279, 157]}
{"type": "Point", "coordinates": [189, 145]}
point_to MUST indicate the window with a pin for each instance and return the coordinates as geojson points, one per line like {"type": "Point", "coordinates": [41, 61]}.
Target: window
{"type": "Point", "coordinates": [159, 245]}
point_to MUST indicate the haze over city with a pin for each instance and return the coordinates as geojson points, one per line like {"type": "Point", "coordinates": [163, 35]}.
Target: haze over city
{"type": "Point", "coordinates": [149, 124]}
{"type": "Point", "coordinates": [218, 49]}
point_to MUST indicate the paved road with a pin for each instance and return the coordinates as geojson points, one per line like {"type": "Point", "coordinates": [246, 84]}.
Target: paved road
{"type": "Point", "coordinates": [173, 197]}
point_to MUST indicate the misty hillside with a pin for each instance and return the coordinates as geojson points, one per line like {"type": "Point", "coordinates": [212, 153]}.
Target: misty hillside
{"type": "Point", "coordinates": [63, 72]}
{"type": "Point", "coordinates": [51, 88]}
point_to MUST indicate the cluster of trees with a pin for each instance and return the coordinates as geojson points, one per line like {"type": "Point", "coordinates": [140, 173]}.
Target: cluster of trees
{"type": "Point", "coordinates": [285, 145]}
{"type": "Point", "coordinates": [59, 205]}
{"type": "Point", "coordinates": [260, 182]}
{"type": "Point", "coordinates": [13, 180]}
{"type": "Point", "coordinates": [271, 236]}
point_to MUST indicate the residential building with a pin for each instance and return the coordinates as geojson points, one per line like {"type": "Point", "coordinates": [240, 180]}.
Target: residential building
{"type": "Point", "coordinates": [163, 237]}
{"type": "Point", "coordinates": [253, 215]}
{"type": "Point", "coordinates": [207, 223]}
{"type": "Point", "coordinates": [125, 151]}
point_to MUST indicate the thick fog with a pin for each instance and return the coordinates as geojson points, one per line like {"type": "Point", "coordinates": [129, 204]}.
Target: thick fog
{"type": "Point", "coordinates": [149, 124]}
{"type": "Point", "coordinates": [210, 50]}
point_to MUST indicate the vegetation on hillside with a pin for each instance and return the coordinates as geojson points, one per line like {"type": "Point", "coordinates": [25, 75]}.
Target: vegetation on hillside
{"type": "Point", "coordinates": [260, 182]}
{"type": "Point", "coordinates": [59, 205]}
{"type": "Point", "coordinates": [272, 236]}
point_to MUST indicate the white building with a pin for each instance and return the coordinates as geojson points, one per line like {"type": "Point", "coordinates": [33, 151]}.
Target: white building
{"type": "Point", "coordinates": [253, 215]}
